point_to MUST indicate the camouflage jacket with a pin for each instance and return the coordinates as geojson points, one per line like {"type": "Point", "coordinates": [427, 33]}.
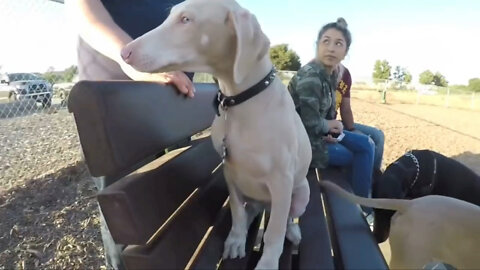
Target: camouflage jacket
{"type": "Point", "coordinates": [313, 92]}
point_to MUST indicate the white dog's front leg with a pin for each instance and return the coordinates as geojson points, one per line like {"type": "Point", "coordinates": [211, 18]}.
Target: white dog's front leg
{"type": "Point", "coordinates": [281, 194]}
{"type": "Point", "coordinates": [235, 244]}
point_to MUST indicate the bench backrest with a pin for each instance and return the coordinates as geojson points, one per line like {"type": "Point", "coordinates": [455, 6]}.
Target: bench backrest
{"type": "Point", "coordinates": [111, 115]}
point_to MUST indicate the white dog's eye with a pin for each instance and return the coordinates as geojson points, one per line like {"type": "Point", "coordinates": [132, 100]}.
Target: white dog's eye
{"type": "Point", "coordinates": [185, 20]}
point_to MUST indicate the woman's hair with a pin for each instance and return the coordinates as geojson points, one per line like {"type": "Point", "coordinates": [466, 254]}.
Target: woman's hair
{"type": "Point", "coordinates": [340, 25]}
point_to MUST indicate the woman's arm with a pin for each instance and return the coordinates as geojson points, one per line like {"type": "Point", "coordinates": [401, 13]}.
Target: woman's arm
{"type": "Point", "coordinates": [308, 89]}
{"type": "Point", "coordinates": [347, 114]}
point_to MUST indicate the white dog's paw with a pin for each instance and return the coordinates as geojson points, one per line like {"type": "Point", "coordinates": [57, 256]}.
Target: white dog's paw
{"type": "Point", "coordinates": [267, 263]}
{"type": "Point", "coordinates": [235, 245]}
{"type": "Point", "coordinates": [293, 233]}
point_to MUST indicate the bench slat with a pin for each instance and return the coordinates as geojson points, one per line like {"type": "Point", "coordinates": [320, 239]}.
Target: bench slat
{"type": "Point", "coordinates": [110, 115]}
{"type": "Point", "coordinates": [354, 245]}
{"type": "Point", "coordinates": [136, 206]}
{"type": "Point", "coordinates": [315, 248]}
{"type": "Point", "coordinates": [177, 244]}
{"type": "Point", "coordinates": [286, 259]}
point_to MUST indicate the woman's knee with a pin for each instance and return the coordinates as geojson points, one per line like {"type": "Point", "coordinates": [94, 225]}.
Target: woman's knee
{"type": "Point", "coordinates": [339, 155]}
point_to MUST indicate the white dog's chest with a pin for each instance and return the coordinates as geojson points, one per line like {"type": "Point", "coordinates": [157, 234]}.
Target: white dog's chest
{"type": "Point", "coordinates": [249, 186]}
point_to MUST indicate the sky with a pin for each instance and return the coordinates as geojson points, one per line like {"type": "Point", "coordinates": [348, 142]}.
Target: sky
{"type": "Point", "coordinates": [441, 35]}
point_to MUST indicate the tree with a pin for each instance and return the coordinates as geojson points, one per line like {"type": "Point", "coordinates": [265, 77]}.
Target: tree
{"type": "Point", "coordinates": [408, 77]}
{"type": "Point", "coordinates": [60, 76]}
{"type": "Point", "coordinates": [70, 73]}
{"type": "Point", "coordinates": [51, 76]}
{"type": "Point", "coordinates": [284, 58]}
{"type": "Point", "coordinates": [381, 70]}
{"type": "Point", "coordinates": [440, 80]}
{"type": "Point", "coordinates": [474, 84]}
{"type": "Point", "coordinates": [426, 77]}
{"type": "Point", "coordinates": [399, 74]}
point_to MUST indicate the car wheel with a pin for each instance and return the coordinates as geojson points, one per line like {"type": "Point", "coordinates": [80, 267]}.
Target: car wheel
{"type": "Point", "coordinates": [12, 97]}
{"type": "Point", "coordinates": [47, 102]}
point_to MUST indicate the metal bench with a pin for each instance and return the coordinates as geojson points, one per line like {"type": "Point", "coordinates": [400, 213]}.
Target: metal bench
{"type": "Point", "coordinates": [171, 209]}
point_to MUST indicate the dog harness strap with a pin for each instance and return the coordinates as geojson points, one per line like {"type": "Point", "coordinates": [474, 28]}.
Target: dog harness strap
{"type": "Point", "coordinates": [225, 102]}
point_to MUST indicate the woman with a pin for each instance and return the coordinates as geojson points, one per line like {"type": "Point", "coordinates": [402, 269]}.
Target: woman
{"type": "Point", "coordinates": [313, 91]}
{"type": "Point", "coordinates": [346, 114]}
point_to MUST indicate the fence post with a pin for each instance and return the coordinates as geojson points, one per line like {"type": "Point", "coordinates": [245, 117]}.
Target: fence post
{"type": "Point", "coordinates": [472, 104]}
{"type": "Point", "coordinates": [447, 100]}
{"type": "Point", "coordinates": [384, 93]}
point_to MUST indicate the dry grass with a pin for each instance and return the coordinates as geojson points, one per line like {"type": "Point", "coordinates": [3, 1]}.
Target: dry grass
{"type": "Point", "coordinates": [457, 101]}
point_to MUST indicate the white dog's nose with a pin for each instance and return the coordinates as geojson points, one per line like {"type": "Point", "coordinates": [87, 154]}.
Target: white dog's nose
{"type": "Point", "coordinates": [126, 54]}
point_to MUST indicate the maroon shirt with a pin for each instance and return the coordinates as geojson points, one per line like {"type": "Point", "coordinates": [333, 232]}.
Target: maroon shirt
{"type": "Point", "coordinates": [343, 88]}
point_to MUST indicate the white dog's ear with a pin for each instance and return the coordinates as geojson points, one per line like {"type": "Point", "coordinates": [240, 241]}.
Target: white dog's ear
{"type": "Point", "coordinates": [252, 43]}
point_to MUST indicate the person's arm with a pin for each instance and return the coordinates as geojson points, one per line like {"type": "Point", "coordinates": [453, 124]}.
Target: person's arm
{"type": "Point", "coordinates": [347, 114]}
{"type": "Point", "coordinates": [309, 99]}
{"type": "Point", "coordinates": [97, 28]}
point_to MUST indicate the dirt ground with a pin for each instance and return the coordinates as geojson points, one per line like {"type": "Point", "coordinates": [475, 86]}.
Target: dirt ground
{"type": "Point", "coordinates": [452, 132]}
{"type": "Point", "coordinates": [50, 219]}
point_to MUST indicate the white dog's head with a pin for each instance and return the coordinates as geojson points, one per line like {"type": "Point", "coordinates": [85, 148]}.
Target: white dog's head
{"type": "Point", "coordinates": [214, 36]}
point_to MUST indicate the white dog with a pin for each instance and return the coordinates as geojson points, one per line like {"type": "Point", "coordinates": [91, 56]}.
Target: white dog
{"type": "Point", "coordinates": [428, 229]}
{"type": "Point", "coordinates": [268, 150]}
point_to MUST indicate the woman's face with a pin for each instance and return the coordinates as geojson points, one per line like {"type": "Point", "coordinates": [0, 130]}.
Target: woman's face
{"type": "Point", "coordinates": [331, 48]}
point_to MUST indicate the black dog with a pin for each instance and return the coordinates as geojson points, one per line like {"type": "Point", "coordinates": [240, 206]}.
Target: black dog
{"type": "Point", "coordinates": [419, 173]}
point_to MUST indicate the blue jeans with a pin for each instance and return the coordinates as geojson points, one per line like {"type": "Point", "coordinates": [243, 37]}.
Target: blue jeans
{"type": "Point", "coordinates": [355, 151]}
{"type": "Point", "coordinates": [378, 138]}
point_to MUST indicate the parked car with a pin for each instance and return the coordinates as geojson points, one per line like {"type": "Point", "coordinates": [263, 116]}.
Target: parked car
{"type": "Point", "coordinates": [21, 86]}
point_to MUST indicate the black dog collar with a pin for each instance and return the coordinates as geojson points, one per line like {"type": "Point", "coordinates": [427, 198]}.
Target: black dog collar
{"type": "Point", "coordinates": [225, 102]}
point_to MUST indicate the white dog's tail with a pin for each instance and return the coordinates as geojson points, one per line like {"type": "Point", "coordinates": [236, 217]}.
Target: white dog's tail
{"type": "Point", "coordinates": [389, 204]}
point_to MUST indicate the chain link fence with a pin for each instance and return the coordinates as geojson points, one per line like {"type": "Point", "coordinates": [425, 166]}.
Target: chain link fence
{"type": "Point", "coordinates": [48, 211]}
{"type": "Point", "coordinates": [391, 91]}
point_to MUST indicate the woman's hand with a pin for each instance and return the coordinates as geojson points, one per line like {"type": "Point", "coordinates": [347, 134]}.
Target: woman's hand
{"type": "Point", "coordinates": [330, 139]}
{"type": "Point", "coordinates": [335, 126]}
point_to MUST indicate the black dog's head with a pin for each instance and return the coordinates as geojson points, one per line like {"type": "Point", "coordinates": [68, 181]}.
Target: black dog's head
{"type": "Point", "coordinates": [393, 184]}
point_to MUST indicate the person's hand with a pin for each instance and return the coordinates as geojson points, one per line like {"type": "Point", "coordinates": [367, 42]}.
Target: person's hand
{"type": "Point", "coordinates": [330, 139]}
{"type": "Point", "coordinates": [335, 126]}
{"type": "Point", "coordinates": [179, 79]}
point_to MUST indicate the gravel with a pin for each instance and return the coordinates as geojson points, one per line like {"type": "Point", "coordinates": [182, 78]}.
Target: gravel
{"type": "Point", "coordinates": [48, 212]}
